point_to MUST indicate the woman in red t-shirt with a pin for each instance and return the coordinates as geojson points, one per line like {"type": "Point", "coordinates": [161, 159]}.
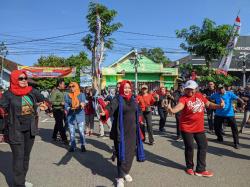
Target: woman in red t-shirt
{"type": "Point", "coordinates": [146, 100]}
{"type": "Point", "coordinates": [192, 106]}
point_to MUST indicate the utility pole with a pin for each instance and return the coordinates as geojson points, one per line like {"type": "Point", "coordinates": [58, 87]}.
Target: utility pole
{"type": "Point", "coordinates": [3, 53]}
{"type": "Point", "coordinates": [134, 60]}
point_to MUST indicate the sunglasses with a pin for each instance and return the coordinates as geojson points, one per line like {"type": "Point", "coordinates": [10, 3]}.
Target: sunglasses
{"type": "Point", "coordinates": [22, 78]}
{"type": "Point", "coordinates": [71, 86]}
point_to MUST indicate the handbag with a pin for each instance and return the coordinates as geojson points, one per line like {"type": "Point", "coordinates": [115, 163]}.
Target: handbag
{"type": "Point", "coordinates": [33, 111]}
{"type": "Point", "coordinates": [27, 109]}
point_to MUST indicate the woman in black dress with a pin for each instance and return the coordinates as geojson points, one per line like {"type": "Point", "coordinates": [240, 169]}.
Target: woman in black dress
{"type": "Point", "coordinates": [20, 101]}
{"type": "Point", "coordinates": [125, 131]}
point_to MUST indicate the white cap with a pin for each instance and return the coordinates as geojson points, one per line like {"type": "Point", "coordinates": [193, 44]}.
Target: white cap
{"type": "Point", "coordinates": [190, 84]}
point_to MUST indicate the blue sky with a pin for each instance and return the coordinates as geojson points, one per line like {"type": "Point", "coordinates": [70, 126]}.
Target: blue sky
{"type": "Point", "coordinates": [34, 19]}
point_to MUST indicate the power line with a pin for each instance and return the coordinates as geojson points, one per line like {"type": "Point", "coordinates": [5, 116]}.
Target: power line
{"type": "Point", "coordinates": [145, 34]}
{"type": "Point", "coordinates": [48, 38]}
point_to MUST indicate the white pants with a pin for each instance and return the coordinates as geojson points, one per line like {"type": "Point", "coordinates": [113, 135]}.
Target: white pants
{"type": "Point", "coordinates": [101, 126]}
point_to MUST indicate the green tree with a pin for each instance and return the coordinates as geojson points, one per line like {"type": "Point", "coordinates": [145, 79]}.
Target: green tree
{"type": "Point", "coordinates": [204, 78]}
{"type": "Point", "coordinates": [107, 29]}
{"type": "Point", "coordinates": [156, 54]}
{"type": "Point", "coordinates": [208, 41]}
{"type": "Point", "coordinates": [77, 61]}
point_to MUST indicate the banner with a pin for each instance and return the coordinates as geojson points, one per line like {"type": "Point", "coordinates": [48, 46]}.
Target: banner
{"type": "Point", "coordinates": [85, 76]}
{"type": "Point", "coordinates": [226, 60]}
{"type": "Point", "coordinates": [49, 72]}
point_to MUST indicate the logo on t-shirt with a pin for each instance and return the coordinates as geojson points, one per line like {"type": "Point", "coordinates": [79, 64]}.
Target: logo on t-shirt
{"type": "Point", "coordinates": [197, 106]}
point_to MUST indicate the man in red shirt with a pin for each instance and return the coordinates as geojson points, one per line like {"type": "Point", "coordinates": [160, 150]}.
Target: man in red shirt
{"type": "Point", "coordinates": [192, 105]}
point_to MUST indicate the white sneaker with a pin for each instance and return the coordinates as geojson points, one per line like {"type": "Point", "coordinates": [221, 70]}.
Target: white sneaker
{"type": "Point", "coordinates": [128, 178]}
{"type": "Point", "coordinates": [120, 182]}
{"type": "Point", "coordinates": [28, 184]}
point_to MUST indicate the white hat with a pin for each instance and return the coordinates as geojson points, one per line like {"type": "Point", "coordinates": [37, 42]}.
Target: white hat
{"type": "Point", "coordinates": [144, 86]}
{"type": "Point", "coordinates": [190, 84]}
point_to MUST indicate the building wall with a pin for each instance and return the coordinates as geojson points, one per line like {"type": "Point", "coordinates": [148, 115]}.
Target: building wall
{"type": "Point", "coordinates": [167, 81]}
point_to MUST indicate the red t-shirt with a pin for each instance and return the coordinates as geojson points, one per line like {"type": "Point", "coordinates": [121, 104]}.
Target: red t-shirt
{"type": "Point", "coordinates": [192, 116]}
{"type": "Point", "coordinates": [145, 101]}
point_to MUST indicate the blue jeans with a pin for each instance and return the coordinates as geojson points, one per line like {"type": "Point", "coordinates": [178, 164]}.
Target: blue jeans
{"type": "Point", "coordinates": [72, 128]}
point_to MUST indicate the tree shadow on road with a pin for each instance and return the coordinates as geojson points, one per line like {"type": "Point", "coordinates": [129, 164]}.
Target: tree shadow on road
{"type": "Point", "coordinates": [216, 150]}
{"type": "Point", "coordinates": [225, 152]}
{"type": "Point", "coordinates": [162, 161]}
{"type": "Point", "coordinates": [97, 163]}
{"type": "Point", "coordinates": [5, 166]}
{"type": "Point", "coordinates": [45, 135]}
{"type": "Point", "coordinates": [100, 145]}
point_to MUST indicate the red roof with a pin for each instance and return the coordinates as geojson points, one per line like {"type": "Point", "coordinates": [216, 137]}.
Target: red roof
{"type": "Point", "coordinates": [8, 64]}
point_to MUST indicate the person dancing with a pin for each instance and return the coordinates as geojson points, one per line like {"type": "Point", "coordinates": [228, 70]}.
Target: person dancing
{"type": "Point", "coordinates": [125, 131]}
{"type": "Point", "coordinates": [21, 102]}
{"type": "Point", "coordinates": [74, 107]}
{"type": "Point", "coordinates": [192, 105]}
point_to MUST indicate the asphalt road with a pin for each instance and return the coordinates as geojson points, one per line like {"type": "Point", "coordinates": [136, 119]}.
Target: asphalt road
{"type": "Point", "coordinates": [51, 165]}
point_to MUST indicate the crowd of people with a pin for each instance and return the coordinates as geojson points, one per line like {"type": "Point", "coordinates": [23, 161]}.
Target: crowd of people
{"type": "Point", "coordinates": [126, 116]}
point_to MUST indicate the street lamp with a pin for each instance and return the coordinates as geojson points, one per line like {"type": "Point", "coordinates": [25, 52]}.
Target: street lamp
{"type": "Point", "coordinates": [134, 60]}
{"type": "Point", "coordinates": [3, 53]}
{"type": "Point", "coordinates": [244, 60]}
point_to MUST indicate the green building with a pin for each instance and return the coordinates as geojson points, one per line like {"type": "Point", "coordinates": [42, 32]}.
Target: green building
{"type": "Point", "coordinates": [150, 73]}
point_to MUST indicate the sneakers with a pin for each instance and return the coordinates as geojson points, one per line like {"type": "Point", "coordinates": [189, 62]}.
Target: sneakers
{"type": "Point", "coordinates": [220, 139]}
{"type": "Point", "coordinates": [190, 171]}
{"type": "Point", "coordinates": [151, 143]}
{"type": "Point", "coordinates": [162, 130]}
{"type": "Point", "coordinates": [204, 174]}
{"type": "Point", "coordinates": [178, 139]}
{"type": "Point", "coordinates": [237, 146]}
{"type": "Point", "coordinates": [28, 184]}
{"type": "Point", "coordinates": [128, 178]}
{"type": "Point", "coordinates": [120, 182]}
{"type": "Point", "coordinates": [210, 131]}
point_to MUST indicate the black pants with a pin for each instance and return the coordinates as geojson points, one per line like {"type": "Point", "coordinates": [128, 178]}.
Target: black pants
{"type": "Point", "coordinates": [177, 117]}
{"type": "Point", "coordinates": [148, 118]}
{"type": "Point", "coordinates": [210, 116]}
{"type": "Point", "coordinates": [218, 121]}
{"type": "Point", "coordinates": [163, 118]}
{"type": "Point", "coordinates": [59, 117]}
{"type": "Point", "coordinates": [124, 167]}
{"type": "Point", "coordinates": [21, 157]}
{"type": "Point", "coordinates": [66, 125]}
{"type": "Point", "coordinates": [201, 141]}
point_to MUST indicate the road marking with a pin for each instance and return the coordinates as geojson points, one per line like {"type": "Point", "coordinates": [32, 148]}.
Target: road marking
{"type": "Point", "coordinates": [246, 132]}
{"type": "Point", "coordinates": [44, 120]}
{"type": "Point", "coordinates": [47, 120]}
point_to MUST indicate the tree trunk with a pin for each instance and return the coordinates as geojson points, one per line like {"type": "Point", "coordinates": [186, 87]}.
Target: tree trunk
{"type": "Point", "coordinates": [208, 64]}
{"type": "Point", "coordinates": [94, 75]}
